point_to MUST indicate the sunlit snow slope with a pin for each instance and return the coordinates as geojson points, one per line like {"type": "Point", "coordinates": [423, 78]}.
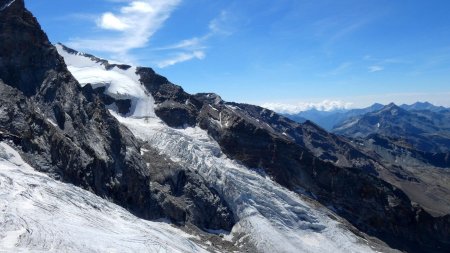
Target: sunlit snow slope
{"type": "Point", "coordinates": [270, 217]}
{"type": "Point", "coordinates": [39, 214]}
{"type": "Point", "coordinates": [120, 84]}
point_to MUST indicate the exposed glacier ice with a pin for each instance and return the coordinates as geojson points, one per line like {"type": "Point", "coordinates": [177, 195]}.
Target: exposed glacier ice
{"type": "Point", "coordinates": [271, 217]}
{"type": "Point", "coordinates": [39, 214]}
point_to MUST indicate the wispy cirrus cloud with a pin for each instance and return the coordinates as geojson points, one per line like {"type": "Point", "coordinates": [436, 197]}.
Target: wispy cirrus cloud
{"type": "Point", "coordinates": [375, 68]}
{"type": "Point", "coordinates": [341, 68]}
{"type": "Point", "coordinates": [181, 57]}
{"type": "Point", "coordinates": [131, 27]}
{"type": "Point", "coordinates": [195, 48]}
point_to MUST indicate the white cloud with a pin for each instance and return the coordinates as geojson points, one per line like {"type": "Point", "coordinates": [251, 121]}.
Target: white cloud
{"type": "Point", "coordinates": [133, 26]}
{"type": "Point", "coordinates": [181, 57]}
{"type": "Point", "coordinates": [111, 22]}
{"type": "Point", "coordinates": [375, 68]}
{"type": "Point", "coordinates": [193, 43]}
{"type": "Point", "coordinates": [326, 105]}
{"type": "Point", "coordinates": [218, 25]}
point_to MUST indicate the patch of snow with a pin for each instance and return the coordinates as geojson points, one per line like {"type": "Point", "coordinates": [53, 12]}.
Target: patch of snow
{"type": "Point", "coordinates": [40, 214]}
{"type": "Point", "coordinates": [213, 108]}
{"type": "Point", "coordinates": [52, 122]}
{"type": "Point", "coordinates": [232, 107]}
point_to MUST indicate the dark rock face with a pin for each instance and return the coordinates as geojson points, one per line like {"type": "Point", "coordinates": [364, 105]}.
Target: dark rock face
{"type": "Point", "coordinates": [32, 54]}
{"type": "Point", "coordinates": [184, 195]}
{"type": "Point", "coordinates": [175, 107]}
{"type": "Point", "coordinates": [396, 147]}
{"type": "Point", "coordinates": [66, 131]}
{"type": "Point", "coordinates": [123, 105]}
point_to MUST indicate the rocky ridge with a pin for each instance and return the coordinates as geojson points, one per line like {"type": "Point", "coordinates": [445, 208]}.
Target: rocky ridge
{"type": "Point", "coordinates": [66, 131]}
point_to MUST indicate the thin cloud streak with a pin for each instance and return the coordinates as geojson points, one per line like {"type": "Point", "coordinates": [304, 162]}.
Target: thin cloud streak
{"type": "Point", "coordinates": [132, 27]}
{"type": "Point", "coordinates": [181, 57]}
{"type": "Point", "coordinates": [375, 68]}
{"type": "Point", "coordinates": [194, 48]}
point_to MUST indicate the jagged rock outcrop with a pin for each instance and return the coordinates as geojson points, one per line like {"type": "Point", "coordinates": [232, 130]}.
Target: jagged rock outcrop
{"type": "Point", "coordinates": [66, 131]}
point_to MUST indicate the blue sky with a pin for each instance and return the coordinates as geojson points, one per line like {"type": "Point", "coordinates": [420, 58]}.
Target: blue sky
{"type": "Point", "coordinates": [278, 53]}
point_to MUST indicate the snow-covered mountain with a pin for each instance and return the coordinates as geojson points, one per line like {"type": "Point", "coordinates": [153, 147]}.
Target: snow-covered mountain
{"type": "Point", "coordinates": [191, 173]}
{"type": "Point", "coordinates": [270, 217]}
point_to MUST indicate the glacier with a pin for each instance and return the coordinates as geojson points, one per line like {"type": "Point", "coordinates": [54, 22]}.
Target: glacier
{"type": "Point", "coordinates": [269, 216]}
{"type": "Point", "coordinates": [40, 214]}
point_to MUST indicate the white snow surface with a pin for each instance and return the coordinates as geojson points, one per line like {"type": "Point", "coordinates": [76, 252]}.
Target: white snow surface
{"type": "Point", "coordinates": [271, 217]}
{"type": "Point", "coordinates": [120, 84]}
{"type": "Point", "coordinates": [40, 214]}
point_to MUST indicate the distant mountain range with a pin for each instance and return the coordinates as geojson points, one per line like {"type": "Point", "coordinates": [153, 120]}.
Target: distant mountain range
{"type": "Point", "coordinates": [330, 119]}
{"type": "Point", "coordinates": [423, 127]}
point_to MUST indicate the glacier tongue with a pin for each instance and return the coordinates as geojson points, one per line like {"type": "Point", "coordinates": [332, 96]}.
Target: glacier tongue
{"type": "Point", "coordinates": [272, 218]}
{"type": "Point", "coordinates": [39, 214]}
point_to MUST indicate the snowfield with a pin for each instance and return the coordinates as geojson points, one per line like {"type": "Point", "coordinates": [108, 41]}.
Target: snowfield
{"type": "Point", "coordinates": [39, 214]}
{"type": "Point", "coordinates": [119, 83]}
{"type": "Point", "coordinates": [269, 216]}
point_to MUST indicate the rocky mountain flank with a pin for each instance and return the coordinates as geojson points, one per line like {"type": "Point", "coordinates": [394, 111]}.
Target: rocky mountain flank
{"type": "Point", "coordinates": [303, 158]}
{"type": "Point", "coordinates": [66, 131]}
